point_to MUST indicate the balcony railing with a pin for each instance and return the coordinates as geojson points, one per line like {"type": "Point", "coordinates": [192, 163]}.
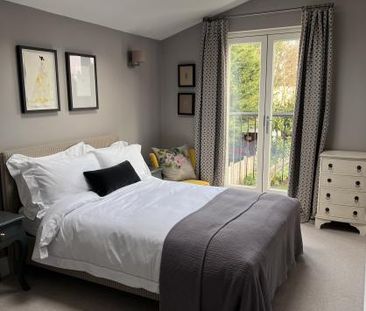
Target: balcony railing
{"type": "Point", "coordinates": [243, 144]}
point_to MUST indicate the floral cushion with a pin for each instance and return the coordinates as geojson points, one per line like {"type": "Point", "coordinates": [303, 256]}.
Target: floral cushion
{"type": "Point", "coordinates": [175, 163]}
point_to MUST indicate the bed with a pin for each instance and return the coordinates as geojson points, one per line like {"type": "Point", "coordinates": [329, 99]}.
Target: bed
{"type": "Point", "coordinates": [169, 241]}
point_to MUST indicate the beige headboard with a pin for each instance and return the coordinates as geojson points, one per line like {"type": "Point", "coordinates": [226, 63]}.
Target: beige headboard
{"type": "Point", "coordinates": [9, 192]}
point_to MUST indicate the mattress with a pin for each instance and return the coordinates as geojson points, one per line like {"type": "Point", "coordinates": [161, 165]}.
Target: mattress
{"type": "Point", "coordinates": [30, 226]}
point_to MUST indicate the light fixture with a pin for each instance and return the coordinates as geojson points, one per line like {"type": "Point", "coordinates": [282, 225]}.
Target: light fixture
{"type": "Point", "coordinates": [136, 58]}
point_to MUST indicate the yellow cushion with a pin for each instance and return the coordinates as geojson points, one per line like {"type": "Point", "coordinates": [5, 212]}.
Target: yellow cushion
{"type": "Point", "coordinates": [197, 182]}
{"type": "Point", "coordinates": [192, 156]}
{"type": "Point", "coordinates": [153, 161]}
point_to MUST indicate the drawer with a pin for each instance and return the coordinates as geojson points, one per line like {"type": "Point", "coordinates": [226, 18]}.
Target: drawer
{"type": "Point", "coordinates": [343, 167]}
{"type": "Point", "coordinates": [330, 210]}
{"type": "Point", "coordinates": [342, 197]}
{"type": "Point", "coordinates": [342, 181]}
{"type": "Point", "coordinates": [8, 233]}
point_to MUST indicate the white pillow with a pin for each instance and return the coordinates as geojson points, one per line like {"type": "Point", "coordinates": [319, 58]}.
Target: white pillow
{"type": "Point", "coordinates": [18, 163]}
{"type": "Point", "coordinates": [118, 144]}
{"type": "Point", "coordinates": [108, 157]}
{"type": "Point", "coordinates": [50, 181]}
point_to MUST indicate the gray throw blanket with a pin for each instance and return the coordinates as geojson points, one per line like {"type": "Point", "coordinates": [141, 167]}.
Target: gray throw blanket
{"type": "Point", "coordinates": [232, 254]}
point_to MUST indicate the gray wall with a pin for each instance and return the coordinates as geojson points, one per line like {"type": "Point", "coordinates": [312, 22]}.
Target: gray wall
{"type": "Point", "coordinates": [179, 49]}
{"type": "Point", "coordinates": [348, 126]}
{"type": "Point", "coordinates": [129, 98]}
{"type": "Point", "coordinates": [141, 104]}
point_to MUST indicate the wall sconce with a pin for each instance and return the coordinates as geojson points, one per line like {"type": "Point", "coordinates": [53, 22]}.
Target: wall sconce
{"type": "Point", "coordinates": [136, 58]}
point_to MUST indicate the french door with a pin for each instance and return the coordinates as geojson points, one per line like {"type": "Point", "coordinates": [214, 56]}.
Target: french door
{"type": "Point", "coordinates": [262, 75]}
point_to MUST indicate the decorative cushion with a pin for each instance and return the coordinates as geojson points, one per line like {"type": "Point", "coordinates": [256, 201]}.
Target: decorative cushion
{"type": "Point", "coordinates": [175, 163]}
{"type": "Point", "coordinates": [110, 179]}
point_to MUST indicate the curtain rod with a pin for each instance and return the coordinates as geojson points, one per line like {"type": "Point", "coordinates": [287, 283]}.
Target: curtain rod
{"type": "Point", "coordinates": [277, 11]}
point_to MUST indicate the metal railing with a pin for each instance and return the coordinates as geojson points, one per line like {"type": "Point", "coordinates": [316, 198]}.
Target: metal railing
{"type": "Point", "coordinates": [242, 148]}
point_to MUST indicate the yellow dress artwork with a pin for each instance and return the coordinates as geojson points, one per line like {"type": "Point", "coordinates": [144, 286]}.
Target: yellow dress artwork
{"type": "Point", "coordinates": [41, 94]}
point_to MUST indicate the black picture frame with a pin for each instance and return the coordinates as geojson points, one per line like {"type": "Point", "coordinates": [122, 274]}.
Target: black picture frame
{"type": "Point", "coordinates": [183, 111]}
{"type": "Point", "coordinates": [25, 108]}
{"type": "Point", "coordinates": [190, 67]}
{"type": "Point", "coordinates": [70, 92]}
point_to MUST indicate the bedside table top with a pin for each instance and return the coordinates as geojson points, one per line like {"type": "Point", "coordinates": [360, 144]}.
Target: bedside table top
{"type": "Point", "coordinates": [7, 218]}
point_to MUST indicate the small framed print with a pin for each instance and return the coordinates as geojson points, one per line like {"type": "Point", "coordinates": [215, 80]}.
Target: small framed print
{"type": "Point", "coordinates": [186, 104]}
{"type": "Point", "coordinates": [38, 79]}
{"type": "Point", "coordinates": [82, 85]}
{"type": "Point", "coordinates": [187, 75]}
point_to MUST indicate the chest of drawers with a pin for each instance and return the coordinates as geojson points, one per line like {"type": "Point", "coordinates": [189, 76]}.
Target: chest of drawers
{"type": "Point", "coordinates": [342, 189]}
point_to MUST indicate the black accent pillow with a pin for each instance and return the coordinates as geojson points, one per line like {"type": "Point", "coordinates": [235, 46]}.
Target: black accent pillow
{"type": "Point", "coordinates": [110, 179]}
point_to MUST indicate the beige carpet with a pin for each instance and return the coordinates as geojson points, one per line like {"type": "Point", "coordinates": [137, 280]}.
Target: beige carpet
{"type": "Point", "coordinates": [329, 277]}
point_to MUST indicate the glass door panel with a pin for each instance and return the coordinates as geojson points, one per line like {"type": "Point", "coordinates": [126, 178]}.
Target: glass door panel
{"type": "Point", "coordinates": [283, 62]}
{"type": "Point", "coordinates": [245, 99]}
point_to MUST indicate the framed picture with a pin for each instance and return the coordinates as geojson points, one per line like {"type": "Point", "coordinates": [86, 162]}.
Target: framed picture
{"type": "Point", "coordinates": [187, 75]}
{"type": "Point", "coordinates": [38, 79]}
{"type": "Point", "coordinates": [82, 85]}
{"type": "Point", "coordinates": [186, 104]}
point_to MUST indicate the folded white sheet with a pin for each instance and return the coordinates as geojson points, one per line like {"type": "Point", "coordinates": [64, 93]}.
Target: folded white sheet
{"type": "Point", "coordinates": [120, 236]}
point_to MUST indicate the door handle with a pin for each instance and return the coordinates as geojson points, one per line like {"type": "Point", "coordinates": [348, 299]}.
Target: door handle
{"type": "Point", "coordinates": [267, 121]}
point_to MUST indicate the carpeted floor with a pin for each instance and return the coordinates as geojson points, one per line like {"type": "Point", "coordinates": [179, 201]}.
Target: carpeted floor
{"type": "Point", "coordinates": [328, 277]}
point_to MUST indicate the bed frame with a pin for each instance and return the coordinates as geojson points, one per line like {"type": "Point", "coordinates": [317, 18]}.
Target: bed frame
{"type": "Point", "coordinates": [11, 202]}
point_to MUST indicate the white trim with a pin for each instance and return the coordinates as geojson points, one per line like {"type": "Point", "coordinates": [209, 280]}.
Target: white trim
{"type": "Point", "coordinates": [272, 38]}
{"type": "Point", "coordinates": [266, 37]}
{"type": "Point", "coordinates": [262, 98]}
{"type": "Point", "coordinates": [264, 32]}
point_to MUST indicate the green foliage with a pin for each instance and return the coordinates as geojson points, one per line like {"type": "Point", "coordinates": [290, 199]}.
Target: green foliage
{"type": "Point", "coordinates": [249, 180]}
{"type": "Point", "coordinates": [245, 77]}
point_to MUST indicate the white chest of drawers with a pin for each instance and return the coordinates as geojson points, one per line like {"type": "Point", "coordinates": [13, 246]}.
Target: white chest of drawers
{"type": "Point", "coordinates": [342, 189]}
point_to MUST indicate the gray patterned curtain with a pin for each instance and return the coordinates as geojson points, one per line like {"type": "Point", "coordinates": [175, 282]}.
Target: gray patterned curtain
{"type": "Point", "coordinates": [210, 106]}
{"type": "Point", "coordinates": [312, 107]}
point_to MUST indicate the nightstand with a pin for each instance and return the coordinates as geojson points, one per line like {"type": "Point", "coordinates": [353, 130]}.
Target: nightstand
{"type": "Point", "coordinates": [11, 231]}
{"type": "Point", "coordinates": [157, 172]}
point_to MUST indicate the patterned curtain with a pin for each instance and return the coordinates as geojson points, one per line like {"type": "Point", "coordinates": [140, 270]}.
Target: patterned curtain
{"type": "Point", "coordinates": [210, 106]}
{"type": "Point", "coordinates": [312, 107]}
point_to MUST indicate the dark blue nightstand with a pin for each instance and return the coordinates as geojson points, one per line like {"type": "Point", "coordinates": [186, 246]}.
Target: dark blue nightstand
{"type": "Point", "coordinates": [11, 231]}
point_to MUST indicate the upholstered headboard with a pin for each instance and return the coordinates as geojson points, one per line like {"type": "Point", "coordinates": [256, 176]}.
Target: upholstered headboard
{"type": "Point", "coordinates": [9, 192]}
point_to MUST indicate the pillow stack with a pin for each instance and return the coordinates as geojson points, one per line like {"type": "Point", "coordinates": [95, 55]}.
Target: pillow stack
{"type": "Point", "coordinates": [43, 181]}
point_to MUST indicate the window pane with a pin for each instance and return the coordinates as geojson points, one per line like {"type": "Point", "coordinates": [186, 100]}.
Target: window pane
{"type": "Point", "coordinates": [285, 61]}
{"type": "Point", "coordinates": [244, 75]}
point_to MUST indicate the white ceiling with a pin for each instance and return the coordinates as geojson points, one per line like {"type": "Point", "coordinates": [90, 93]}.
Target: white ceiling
{"type": "Point", "coordinates": [157, 19]}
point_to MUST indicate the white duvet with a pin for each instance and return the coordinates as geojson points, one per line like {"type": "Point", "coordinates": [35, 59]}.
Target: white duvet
{"type": "Point", "coordinates": [119, 237]}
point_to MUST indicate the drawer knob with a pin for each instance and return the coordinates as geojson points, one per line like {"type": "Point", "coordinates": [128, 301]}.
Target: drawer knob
{"type": "Point", "coordinates": [357, 183]}
{"type": "Point", "coordinates": [355, 213]}
{"type": "Point", "coordinates": [328, 196]}
{"type": "Point", "coordinates": [330, 166]}
{"type": "Point", "coordinates": [329, 180]}
{"type": "Point", "coordinates": [356, 199]}
{"type": "Point", "coordinates": [359, 168]}
{"type": "Point", "coordinates": [327, 210]}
